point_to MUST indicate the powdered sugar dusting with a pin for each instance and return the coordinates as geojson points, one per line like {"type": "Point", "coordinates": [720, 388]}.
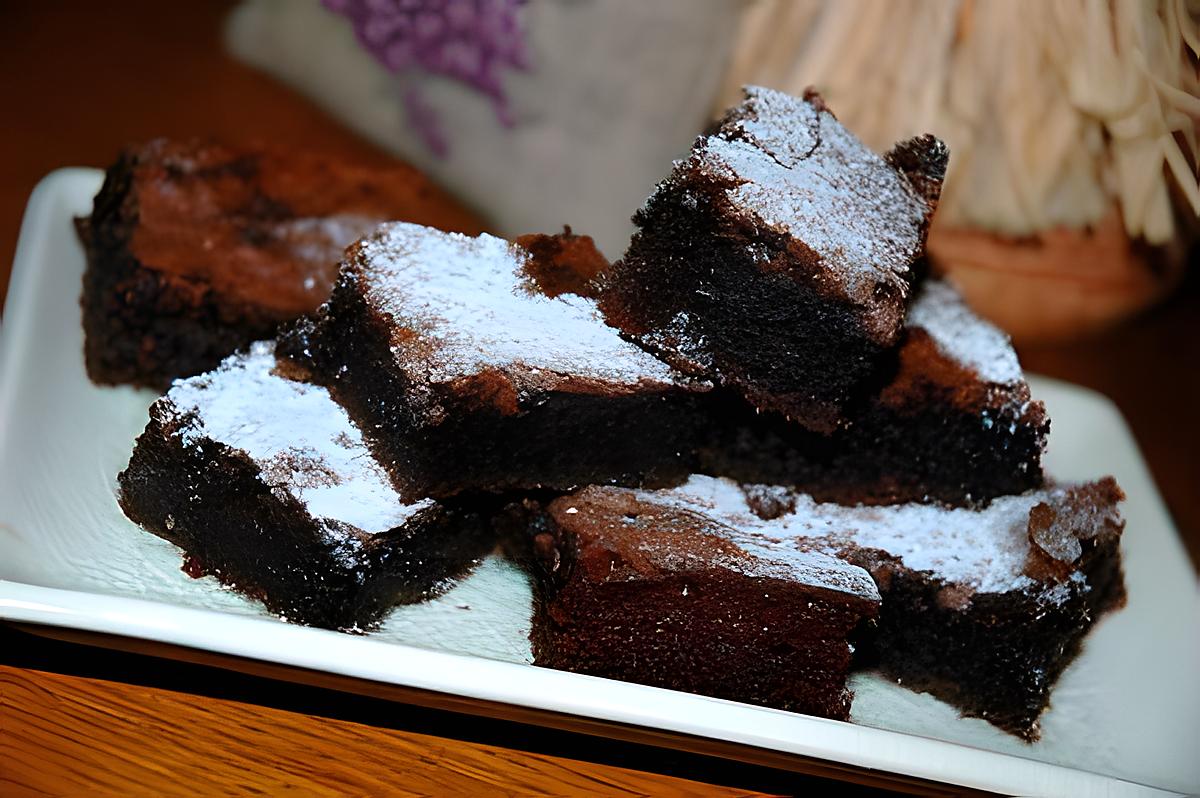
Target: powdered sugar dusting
{"type": "Point", "coordinates": [985, 549]}
{"type": "Point", "coordinates": [473, 298]}
{"type": "Point", "coordinates": [811, 567]}
{"type": "Point", "coordinates": [303, 441]}
{"type": "Point", "coordinates": [798, 170]}
{"type": "Point", "coordinates": [962, 336]}
{"type": "Point", "coordinates": [682, 336]}
{"type": "Point", "coordinates": [323, 238]}
{"type": "Point", "coordinates": [805, 566]}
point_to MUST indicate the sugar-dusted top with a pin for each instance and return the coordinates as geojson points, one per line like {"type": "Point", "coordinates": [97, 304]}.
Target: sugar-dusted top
{"type": "Point", "coordinates": [799, 171]}
{"type": "Point", "coordinates": [806, 566]}
{"type": "Point", "coordinates": [653, 535]}
{"type": "Point", "coordinates": [963, 336]}
{"type": "Point", "coordinates": [985, 550]}
{"type": "Point", "coordinates": [301, 439]}
{"type": "Point", "coordinates": [322, 239]}
{"type": "Point", "coordinates": [471, 300]}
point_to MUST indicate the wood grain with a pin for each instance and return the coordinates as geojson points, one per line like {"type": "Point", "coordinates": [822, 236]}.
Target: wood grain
{"type": "Point", "coordinates": [728, 762]}
{"type": "Point", "coordinates": [63, 735]}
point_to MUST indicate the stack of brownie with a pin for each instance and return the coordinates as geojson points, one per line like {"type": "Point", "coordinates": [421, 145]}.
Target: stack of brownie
{"type": "Point", "coordinates": [761, 449]}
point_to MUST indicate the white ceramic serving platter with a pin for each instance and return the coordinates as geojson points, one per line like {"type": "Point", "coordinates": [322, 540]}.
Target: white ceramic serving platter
{"type": "Point", "coordinates": [1124, 720]}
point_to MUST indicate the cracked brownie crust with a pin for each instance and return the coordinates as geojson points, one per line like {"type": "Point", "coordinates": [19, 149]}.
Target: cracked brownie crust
{"type": "Point", "coordinates": [196, 249]}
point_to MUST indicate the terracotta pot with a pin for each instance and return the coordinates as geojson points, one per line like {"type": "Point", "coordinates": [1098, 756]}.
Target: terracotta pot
{"type": "Point", "coordinates": [1059, 284]}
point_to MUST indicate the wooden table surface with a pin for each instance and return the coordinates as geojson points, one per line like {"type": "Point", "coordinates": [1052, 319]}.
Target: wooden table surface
{"type": "Point", "coordinates": [78, 80]}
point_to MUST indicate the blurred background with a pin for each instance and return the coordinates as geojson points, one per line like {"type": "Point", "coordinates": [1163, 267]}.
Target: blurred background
{"type": "Point", "coordinates": [1069, 216]}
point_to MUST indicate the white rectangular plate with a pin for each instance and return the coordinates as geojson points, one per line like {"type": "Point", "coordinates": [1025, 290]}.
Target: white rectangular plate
{"type": "Point", "coordinates": [1124, 719]}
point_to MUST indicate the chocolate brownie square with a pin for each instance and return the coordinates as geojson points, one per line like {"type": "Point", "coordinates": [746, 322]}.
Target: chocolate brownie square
{"type": "Point", "coordinates": [985, 610]}
{"type": "Point", "coordinates": [196, 249]}
{"type": "Point", "coordinates": [952, 421]}
{"type": "Point", "coordinates": [631, 588]}
{"type": "Point", "coordinates": [982, 608]}
{"type": "Point", "coordinates": [263, 482]}
{"type": "Point", "coordinates": [466, 377]}
{"type": "Point", "coordinates": [777, 258]}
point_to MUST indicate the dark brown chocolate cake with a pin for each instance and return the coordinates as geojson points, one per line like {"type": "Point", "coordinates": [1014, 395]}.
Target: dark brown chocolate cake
{"type": "Point", "coordinates": [630, 589]}
{"type": "Point", "coordinates": [466, 377]}
{"type": "Point", "coordinates": [197, 249]}
{"type": "Point", "coordinates": [953, 422]}
{"type": "Point", "coordinates": [982, 608]}
{"type": "Point", "coordinates": [777, 258]}
{"type": "Point", "coordinates": [563, 263]}
{"type": "Point", "coordinates": [994, 643]}
{"type": "Point", "coordinates": [265, 484]}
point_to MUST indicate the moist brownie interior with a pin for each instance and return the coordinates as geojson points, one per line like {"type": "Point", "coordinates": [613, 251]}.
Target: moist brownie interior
{"type": "Point", "coordinates": [264, 483]}
{"type": "Point", "coordinates": [952, 421]}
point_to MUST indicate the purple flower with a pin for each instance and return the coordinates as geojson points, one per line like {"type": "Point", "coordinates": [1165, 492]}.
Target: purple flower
{"type": "Point", "coordinates": [471, 41]}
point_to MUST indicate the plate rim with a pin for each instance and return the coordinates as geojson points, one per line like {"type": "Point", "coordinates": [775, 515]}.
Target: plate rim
{"type": "Point", "coordinates": [479, 678]}
{"type": "Point", "coordinates": [536, 688]}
